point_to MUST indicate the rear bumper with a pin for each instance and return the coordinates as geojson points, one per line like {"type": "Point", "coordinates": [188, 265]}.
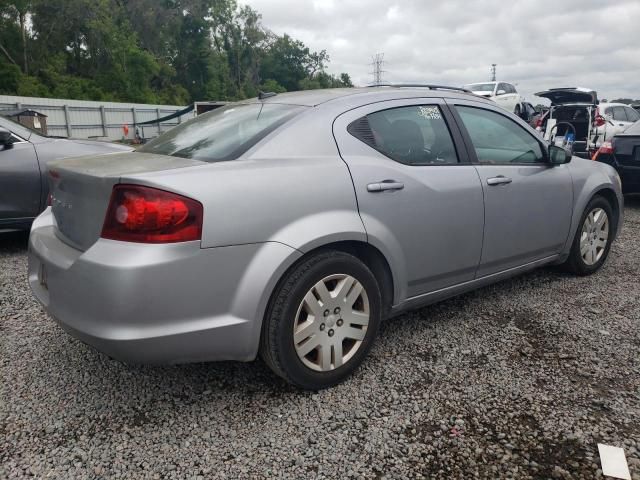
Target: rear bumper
{"type": "Point", "coordinates": [169, 303]}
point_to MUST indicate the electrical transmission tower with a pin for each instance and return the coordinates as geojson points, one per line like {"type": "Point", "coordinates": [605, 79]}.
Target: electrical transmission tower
{"type": "Point", "coordinates": [493, 72]}
{"type": "Point", "coordinates": [378, 62]}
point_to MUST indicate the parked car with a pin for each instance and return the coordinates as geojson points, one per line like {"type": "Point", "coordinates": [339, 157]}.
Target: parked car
{"type": "Point", "coordinates": [613, 118]}
{"type": "Point", "coordinates": [622, 152]}
{"type": "Point", "coordinates": [290, 226]}
{"type": "Point", "coordinates": [573, 113]}
{"type": "Point", "coordinates": [24, 155]}
{"type": "Point", "coordinates": [577, 112]}
{"type": "Point", "coordinates": [529, 114]}
{"type": "Point", "coordinates": [539, 118]}
{"type": "Point", "coordinates": [503, 93]}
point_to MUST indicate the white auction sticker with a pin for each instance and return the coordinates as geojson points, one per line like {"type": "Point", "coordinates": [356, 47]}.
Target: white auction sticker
{"type": "Point", "coordinates": [614, 462]}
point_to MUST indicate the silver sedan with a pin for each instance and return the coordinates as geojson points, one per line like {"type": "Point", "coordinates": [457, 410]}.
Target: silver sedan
{"type": "Point", "coordinates": [290, 225]}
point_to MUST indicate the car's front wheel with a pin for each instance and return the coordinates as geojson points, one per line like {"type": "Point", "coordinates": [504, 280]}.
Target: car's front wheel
{"type": "Point", "coordinates": [322, 320]}
{"type": "Point", "coordinates": [593, 238]}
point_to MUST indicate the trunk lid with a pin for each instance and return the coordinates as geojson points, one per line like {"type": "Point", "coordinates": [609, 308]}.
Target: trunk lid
{"type": "Point", "coordinates": [81, 188]}
{"type": "Point", "coordinates": [560, 96]}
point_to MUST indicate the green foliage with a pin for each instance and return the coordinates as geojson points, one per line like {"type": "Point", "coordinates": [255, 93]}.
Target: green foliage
{"type": "Point", "coordinates": [10, 78]}
{"type": "Point", "coordinates": [272, 86]}
{"type": "Point", "coordinates": [150, 51]}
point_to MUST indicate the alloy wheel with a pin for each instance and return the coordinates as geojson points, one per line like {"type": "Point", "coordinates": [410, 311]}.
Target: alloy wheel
{"type": "Point", "coordinates": [331, 322]}
{"type": "Point", "coordinates": [594, 236]}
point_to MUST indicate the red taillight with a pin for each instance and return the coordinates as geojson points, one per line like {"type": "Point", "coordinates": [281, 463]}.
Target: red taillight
{"type": "Point", "coordinates": [540, 120]}
{"type": "Point", "coordinates": [605, 149]}
{"type": "Point", "coordinates": [599, 120]}
{"type": "Point", "coordinates": [149, 215]}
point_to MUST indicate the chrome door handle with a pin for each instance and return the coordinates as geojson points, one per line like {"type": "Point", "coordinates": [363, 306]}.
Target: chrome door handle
{"type": "Point", "coordinates": [499, 180]}
{"type": "Point", "coordinates": [384, 185]}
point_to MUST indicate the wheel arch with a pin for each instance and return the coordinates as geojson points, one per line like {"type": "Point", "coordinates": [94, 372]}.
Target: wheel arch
{"type": "Point", "coordinates": [610, 196]}
{"type": "Point", "coordinates": [591, 179]}
{"type": "Point", "coordinates": [366, 253]}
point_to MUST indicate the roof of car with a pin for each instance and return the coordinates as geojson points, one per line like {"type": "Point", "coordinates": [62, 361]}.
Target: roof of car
{"type": "Point", "coordinates": [313, 98]}
{"type": "Point", "coordinates": [613, 104]}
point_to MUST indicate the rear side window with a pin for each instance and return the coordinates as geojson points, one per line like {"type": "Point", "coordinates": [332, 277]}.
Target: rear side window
{"type": "Point", "coordinates": [223, 134]}
{"type": "Point", "coordinates": [618, 114]}
{"type": "Point", "coordinates": [632, 115]}
{"type": "Point", "coordinates": [413, 135]}
{"type": "Point", "coordinates": [496, 139]}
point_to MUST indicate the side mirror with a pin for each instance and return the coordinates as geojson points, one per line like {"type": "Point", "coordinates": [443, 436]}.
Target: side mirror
{"type": "Point", "coordinates": [501, 92]}
{"type": "Point", "coordinates": [5, 138]}
{"type": "Point", "coordinates": [558, 155]}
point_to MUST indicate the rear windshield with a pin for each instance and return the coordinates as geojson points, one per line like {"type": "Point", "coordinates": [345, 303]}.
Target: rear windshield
{"type": "Point", "coordinates": [223, 134]}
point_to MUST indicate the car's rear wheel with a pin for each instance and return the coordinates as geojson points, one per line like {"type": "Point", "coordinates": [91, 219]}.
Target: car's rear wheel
{"type": "Point", "coordinates": [593, 238]}
{"type": "Point", "coordinates": [322, 320]}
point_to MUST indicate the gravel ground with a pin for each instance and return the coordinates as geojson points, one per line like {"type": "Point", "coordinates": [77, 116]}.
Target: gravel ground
{"type": "Point", "coordinates": [518, 380]}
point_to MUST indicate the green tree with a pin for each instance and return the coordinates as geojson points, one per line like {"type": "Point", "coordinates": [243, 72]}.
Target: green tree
{"type": "Point", "coordinates": [156, 51]}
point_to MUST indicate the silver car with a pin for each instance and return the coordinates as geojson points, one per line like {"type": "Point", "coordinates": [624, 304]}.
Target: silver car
{"type": "Point", "coordinates": [290, 225]}
{"type": "Point", "coordinates": [24, 158]}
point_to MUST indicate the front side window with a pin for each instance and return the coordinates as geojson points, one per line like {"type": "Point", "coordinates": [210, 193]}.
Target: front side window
{"type": "Point", "coordinates": [496, 139]}
{"type": "Point", "coordinates": [224, 133]}
{"type": "Point", "coordinates": [618, 114]}
{"type": "Point", "coordinates": [414, 135]}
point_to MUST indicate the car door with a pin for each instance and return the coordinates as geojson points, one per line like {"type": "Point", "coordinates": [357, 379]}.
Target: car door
{"type": "Point", "coordinates": [20, 182]}
{"type": "Point", "coordinates": [502, 99]}
{"type": "Point", "coordinates": [616, 122]}
{"type": "Point", "coordinates": [508, 99]}
{"type": "Point", "coordinates": [620, 120]}
{"type": "Point", "coordinates": [528, 202]}
{"type": "Point", "coordinates": [632, 116]}
{"type": "Point", "coordinates": [419, 197]}
{"type": "Point", "coordinates": [627, 158]}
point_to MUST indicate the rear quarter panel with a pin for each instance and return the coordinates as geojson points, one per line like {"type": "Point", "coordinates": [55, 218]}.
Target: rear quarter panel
{"type": "Point", "coordinates": [292, 188]}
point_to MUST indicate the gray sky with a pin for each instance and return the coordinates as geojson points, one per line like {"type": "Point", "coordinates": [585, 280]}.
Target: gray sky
{"type": "Point", "coordinates": [537, 44]}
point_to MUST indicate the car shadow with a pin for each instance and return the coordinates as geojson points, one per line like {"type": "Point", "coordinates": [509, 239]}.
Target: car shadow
{"type": "Point", "coordinates": [14, 242]}
{"type": "Point", "coordinates": [84, 380]}
{"type": "Point", "coordinates": [632, 201]}
{"type": "Point", "coordinates": [162, 391]}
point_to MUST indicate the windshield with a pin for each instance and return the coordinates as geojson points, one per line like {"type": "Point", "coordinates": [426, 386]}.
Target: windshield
{"type": "Point", "coordinates": [480, 87]}
{"type": "Point", "coordinates": [224, 133]}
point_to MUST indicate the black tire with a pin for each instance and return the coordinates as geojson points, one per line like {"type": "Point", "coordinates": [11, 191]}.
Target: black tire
{"type": "Point", "coordinates": [277, 347]}
{"type": "Point", "coordinates": [517, 111]}
{"type": "Point", "coordinates": [575, 263]}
